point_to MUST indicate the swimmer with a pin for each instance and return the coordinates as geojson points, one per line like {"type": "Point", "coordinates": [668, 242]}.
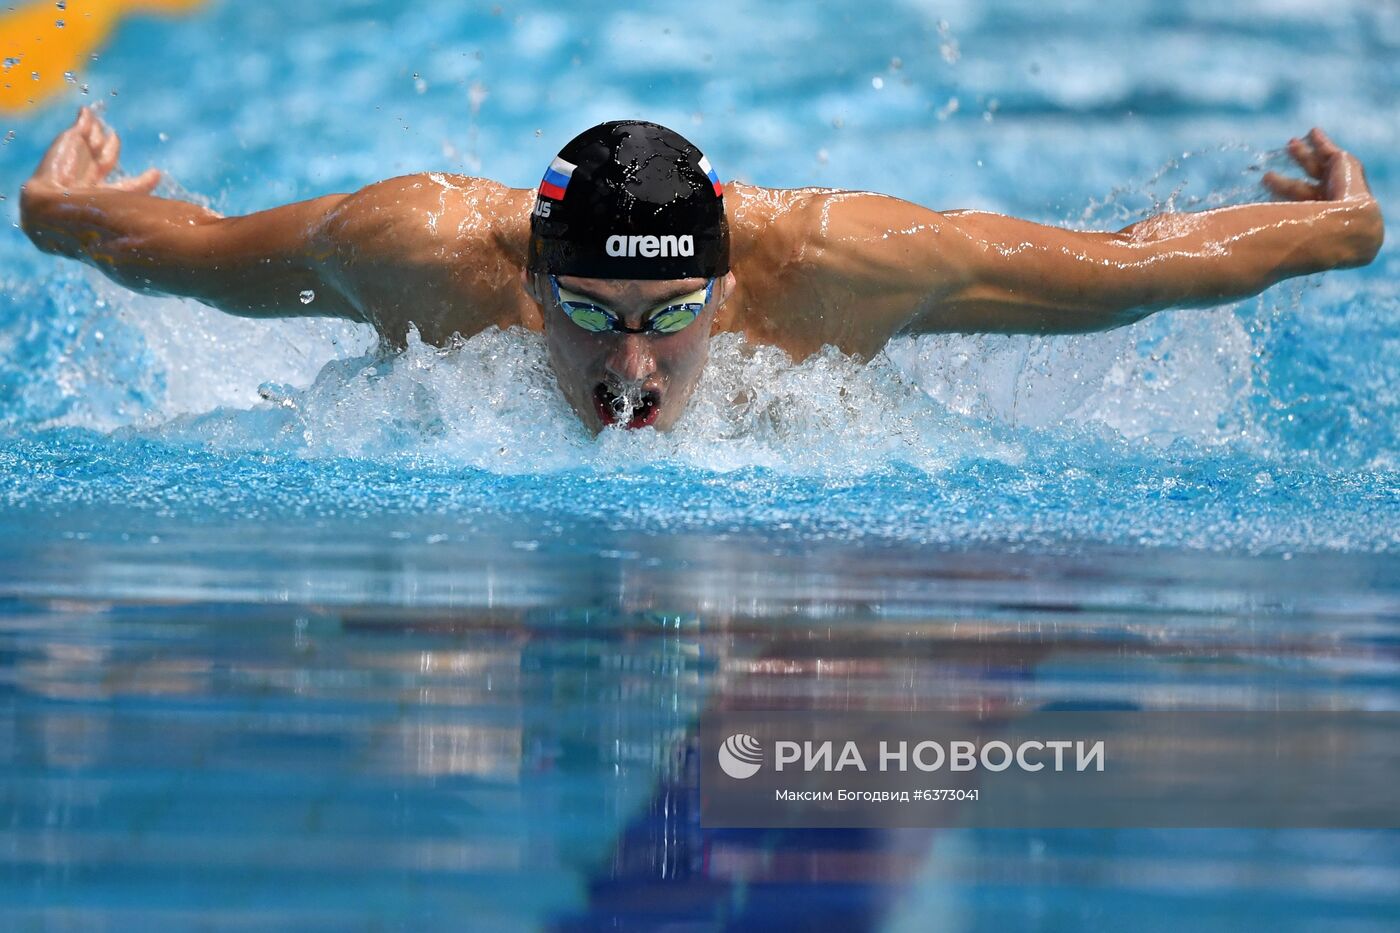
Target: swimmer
{"type": "Point", "coordinates": [631, 253]}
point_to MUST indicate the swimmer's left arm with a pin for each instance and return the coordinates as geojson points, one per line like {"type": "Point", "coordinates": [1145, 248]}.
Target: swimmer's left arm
{"type": "Point", "coordinates": [972, 272]}
{"type": "Point", "coordinates": [259, 265]}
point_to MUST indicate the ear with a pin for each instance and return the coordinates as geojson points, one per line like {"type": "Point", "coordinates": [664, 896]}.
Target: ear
{"type": "Point", "coordinates": [726, 287]}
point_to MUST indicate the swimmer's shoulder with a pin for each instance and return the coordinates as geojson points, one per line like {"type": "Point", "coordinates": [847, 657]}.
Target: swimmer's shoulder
{"type": "Point", "coordinates": [439, 251]}
{"type": "Point", "coordinates": [766, 223]}
{"type": "Point", "coordinates": [432, 216]}
{"type": "Point", "coordinates": [774, 236]}
{"type": "Point", "coordinates": [778, 232]}
{"type": "Point", "coordinates": [813, 266]}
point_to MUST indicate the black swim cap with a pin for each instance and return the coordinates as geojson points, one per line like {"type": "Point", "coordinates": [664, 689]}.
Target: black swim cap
{"type": "Point", "coordinates": [630, 200]}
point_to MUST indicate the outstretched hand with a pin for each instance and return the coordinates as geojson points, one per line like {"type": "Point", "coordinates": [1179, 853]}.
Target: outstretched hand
{"type": "Point", "coordinates": [83, 156]}
{"type": "Point", "coordinates": [1337, 173]}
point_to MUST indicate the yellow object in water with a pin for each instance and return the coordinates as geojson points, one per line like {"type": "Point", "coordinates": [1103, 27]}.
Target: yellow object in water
{"type": "Point", "coordinates": [41, 42]}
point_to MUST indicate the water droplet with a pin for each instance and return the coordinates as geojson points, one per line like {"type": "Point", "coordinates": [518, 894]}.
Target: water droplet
{"type": "Point", "coordinates": [62, 4]}
{"type": "Point", "coordinates": [947, 45]}
{"type": "Point", "coordinates": [58, 23]}
{"type": "Point", "coordinates": [9, 136]}
{"type": "Point", "coordinates": [308, 296]}
{"type": "Point", "coordinates": [70, 77]}
{"type": "Point", "coordinates": [34, 75]}
{"type": "Point", "coordinates": [476, 96]}
{"type": "Point", "coordinates": [114, 92]}
{"type": "Point", "coordinates": [877, 82]}
{"type": "Point", "coordinates": [163, 137]}
{"type": "Point", "coordinates": [83, 88]}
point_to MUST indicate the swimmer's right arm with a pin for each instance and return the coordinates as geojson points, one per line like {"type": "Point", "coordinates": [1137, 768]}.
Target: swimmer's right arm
{"type": "Point", "coordinates": [255, 266]}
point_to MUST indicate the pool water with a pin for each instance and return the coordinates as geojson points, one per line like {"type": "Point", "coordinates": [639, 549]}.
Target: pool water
{"type": "Point", "coordinates": [295, 636]}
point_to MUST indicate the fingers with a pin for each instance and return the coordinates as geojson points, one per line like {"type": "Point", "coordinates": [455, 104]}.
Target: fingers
{"type": "Point", "coordinates": [144, 183]}
{"type": "Point", "coordinates": [103, 148]}
{"type": "Point", "coordinates": [1322, 143]}
{"type": "Point", "coordinates": [1294, 189]}
{"type": "Point", "coordinates": [93, 132]}
{"type": "Point", "coordinates": [1306, 156]}
{"type": "Point", "coordinates": [1315, 152]}
{"type": "Point", "coordinates": [102, 142]}
{"type": "Point", "coordinates": [107, 158]}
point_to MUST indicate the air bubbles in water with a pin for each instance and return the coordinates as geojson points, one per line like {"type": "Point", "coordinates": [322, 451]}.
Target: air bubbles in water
{"type": "Point", "coordinates": [308, 296]}
{"type": "Point", "coordinates": [947, 44]}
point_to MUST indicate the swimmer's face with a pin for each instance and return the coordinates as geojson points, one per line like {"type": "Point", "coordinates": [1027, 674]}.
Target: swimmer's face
{"type": "Point", "coordinates": [596, 369]}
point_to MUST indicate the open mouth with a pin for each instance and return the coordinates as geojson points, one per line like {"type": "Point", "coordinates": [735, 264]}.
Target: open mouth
{"type": "Point", "coordinates": [631, 409]}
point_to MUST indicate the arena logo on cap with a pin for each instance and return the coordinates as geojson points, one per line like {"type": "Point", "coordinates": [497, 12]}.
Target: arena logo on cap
{"type": "Point", "coordinates": [556, 179]}
{"type": "Point", "coordinates": [651, 247]}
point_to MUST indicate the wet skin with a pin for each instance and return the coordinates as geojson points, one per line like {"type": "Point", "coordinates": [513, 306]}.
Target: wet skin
{"type": "Point", "coordinates": [444, 255]}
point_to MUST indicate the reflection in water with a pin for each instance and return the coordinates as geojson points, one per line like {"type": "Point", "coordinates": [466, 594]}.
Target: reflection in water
{"type": "Point", "coordinates": [536, 765]}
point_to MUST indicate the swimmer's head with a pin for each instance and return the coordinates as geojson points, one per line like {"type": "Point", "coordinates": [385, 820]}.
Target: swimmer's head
{"type": "Point", "coordinates": [629, 261]}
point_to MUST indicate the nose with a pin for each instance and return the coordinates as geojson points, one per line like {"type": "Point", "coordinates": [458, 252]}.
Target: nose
{"type": "Point", "coordinates": [631, 361]}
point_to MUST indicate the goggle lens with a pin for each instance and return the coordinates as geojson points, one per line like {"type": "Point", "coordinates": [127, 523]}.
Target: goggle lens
{"type": "Point", "coordinates": [590, 317]}
{"type": "Point", "coordinates": [674, 318]}
{"type": "Point", "coordinates": [597, 319]}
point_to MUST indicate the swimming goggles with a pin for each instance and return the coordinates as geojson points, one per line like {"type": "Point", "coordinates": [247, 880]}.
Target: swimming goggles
{"type": "Point", "coordinates": [677, 314]}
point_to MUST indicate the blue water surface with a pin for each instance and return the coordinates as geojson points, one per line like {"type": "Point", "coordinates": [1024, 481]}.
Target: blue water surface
{"type": "Point", "coordinates": [295, 635]}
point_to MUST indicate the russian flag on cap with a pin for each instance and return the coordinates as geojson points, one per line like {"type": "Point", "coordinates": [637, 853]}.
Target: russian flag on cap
{"type": "Point", "coordinates": [556, 179]}
{"type": "Point", "coordinates": [714, 179]}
